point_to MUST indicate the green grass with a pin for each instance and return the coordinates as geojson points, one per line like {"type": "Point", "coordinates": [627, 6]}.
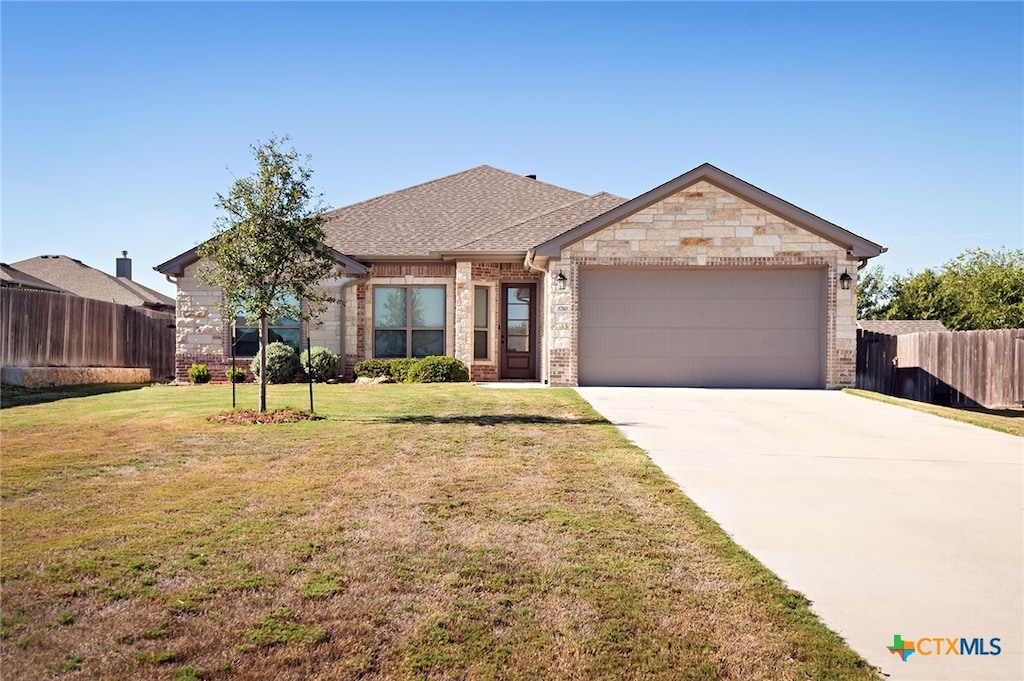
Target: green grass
{"type": "Point", "coordinates": [416, 532]}
{"type": "Point", "coordinates": [1004, 420]}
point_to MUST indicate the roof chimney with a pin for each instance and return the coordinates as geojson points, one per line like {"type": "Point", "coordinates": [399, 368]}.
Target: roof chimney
{"type": "Point", "coordinates": [124, 266]}
{"type": "Point", "coordinates": [532, 177]}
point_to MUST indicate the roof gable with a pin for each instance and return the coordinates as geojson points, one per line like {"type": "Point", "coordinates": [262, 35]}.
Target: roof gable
{"type": "Point", "coordinates": [855, 245]}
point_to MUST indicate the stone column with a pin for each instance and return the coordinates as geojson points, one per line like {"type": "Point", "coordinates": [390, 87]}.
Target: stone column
{"type": "Point", "coordinates": [464, 312]}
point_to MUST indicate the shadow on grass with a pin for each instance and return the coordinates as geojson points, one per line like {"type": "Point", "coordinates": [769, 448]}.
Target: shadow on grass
{"type": "Point", "coordinates": [1005, 413]}
{"type": "Point", "coordinates": [17, 396]}
{"type": "Point", "coordinates": [491, 420]}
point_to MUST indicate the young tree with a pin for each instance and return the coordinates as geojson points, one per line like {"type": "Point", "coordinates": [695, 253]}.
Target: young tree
{"type": "Point", "coordinates": [267, 253]}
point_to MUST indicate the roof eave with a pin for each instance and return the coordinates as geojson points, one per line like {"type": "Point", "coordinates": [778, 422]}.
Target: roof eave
{"type": "Point", "coordinates": [484, 255]}
{"type": "Point", "coordinates": [175, 267]}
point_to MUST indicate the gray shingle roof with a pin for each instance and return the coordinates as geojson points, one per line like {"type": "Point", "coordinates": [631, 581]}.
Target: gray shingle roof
{"type": "Point", "coordinates": [444, 214]}
{"type": "Point", "coordinates": [80, 279]}
{"type": "Point", "coordinates": [15, 278]}
{"type": "Point", "coordinates": [549, 224]}
{"type": "Point", "coordinates": [898, 327]}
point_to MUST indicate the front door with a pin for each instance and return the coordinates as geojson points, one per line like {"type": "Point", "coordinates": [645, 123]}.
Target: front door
{"type": "Point", "coordinates": [518, 336]}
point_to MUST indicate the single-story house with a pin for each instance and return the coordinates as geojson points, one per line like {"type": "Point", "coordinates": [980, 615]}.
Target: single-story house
{"type": "Point", "coordinates": [705, 280]}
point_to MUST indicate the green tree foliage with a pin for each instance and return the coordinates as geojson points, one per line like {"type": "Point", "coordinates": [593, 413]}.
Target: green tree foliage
{"type": "Point", "coordinates": [873, 297]}
{"type": "Point", "coordinates": [267, 252]}
{"type": "Point", "coordinates": [977, 289]}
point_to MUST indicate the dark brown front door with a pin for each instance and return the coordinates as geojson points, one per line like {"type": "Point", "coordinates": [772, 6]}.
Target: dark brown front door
{"type": "Point", "coordinates": [518, 337]}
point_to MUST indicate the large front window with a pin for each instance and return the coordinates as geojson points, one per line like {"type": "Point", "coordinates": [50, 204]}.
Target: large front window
{"type": "Point", "coordinates": [247, 336]}
{"type": "Point", "coordinates": [408, 321]}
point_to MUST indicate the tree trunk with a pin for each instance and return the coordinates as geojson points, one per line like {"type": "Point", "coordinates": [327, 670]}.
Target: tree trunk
{"type": "Point", "coordinates": [264, 337]}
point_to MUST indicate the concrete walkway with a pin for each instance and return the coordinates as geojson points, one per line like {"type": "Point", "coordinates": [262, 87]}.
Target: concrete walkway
{"type": "Point", "coordinates": [889, 520]}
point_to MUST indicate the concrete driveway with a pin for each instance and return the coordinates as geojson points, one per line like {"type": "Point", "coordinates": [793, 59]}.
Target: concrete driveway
{"type": "Point", "coordinates": [889, 520]}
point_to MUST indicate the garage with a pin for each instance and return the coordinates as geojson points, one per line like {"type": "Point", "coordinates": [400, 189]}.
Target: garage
{"type": "Point", "coordinates": [713, 328]}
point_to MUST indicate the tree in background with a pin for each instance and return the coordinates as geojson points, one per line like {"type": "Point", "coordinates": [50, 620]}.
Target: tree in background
{"type": "Point", "coordinates": [975, 290]}
{"type": "Point", "coordinates": [267, 253]}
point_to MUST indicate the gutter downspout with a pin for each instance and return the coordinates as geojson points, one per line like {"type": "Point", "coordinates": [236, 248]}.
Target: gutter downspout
{"type": "Point", "coordinates": [530, 255]}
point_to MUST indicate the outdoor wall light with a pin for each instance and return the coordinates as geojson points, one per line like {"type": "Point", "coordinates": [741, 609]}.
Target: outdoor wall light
{"type": "Point", "coordinates": [844, 280]}
{"type": "Point", "coordinates": [561, 279]}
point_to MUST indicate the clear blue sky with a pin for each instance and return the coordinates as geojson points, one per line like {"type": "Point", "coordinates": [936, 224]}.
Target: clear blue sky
{"type": "Point", "coordinates": [900, 122]}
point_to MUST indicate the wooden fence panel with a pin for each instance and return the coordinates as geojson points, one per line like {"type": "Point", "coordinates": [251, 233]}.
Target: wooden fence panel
{"type": "Point", "coordinates": [41, 328]}
{"type": "Point", "coordinates": [875, 368]}
{"type": "Point", "coordinates": [954, 368]}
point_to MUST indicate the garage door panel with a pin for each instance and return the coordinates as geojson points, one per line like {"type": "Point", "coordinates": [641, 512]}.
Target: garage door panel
{"type": "Point", "coordinates": [701, 343]}
{"type": "Point", "coordinates": [634, 313]}
{"type": "Point", "coordinates": [720, 373]}
{"type": "Point", "coordinates": [713, 328]}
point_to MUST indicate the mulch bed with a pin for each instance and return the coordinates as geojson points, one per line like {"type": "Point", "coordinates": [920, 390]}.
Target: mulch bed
{"type": "Point", "coordinates": [251, 416]}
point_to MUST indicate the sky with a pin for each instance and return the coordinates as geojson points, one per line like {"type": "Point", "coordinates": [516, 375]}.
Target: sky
{"type": "Point", "coordinates": [901, 122]}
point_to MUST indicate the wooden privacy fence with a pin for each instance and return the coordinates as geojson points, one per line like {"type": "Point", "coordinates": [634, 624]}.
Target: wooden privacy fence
{"type": "Point", "coordinates": [953, 368]}
{"type": "Point", "coordinates": [44, 329]}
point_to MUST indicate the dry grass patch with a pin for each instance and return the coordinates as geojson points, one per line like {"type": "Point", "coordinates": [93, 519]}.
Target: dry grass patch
{"type": "Point", "coordinates": [418, 532]}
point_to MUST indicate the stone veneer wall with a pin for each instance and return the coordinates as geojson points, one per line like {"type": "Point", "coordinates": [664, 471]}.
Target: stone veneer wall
{"type": "Point", "coordinates": [705, 226]}
{"type": "Point", "coordinates": [203, 337]}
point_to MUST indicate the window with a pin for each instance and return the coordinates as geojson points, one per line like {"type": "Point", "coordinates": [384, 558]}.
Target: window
{"type": "Point", "coordinates": [247, 337]}
{"type": "Point", "coordinates": [408, 321]}
{"type": "Point", "coordinates": [481, 317]}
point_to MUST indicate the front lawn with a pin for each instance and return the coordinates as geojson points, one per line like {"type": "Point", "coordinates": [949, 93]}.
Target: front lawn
{"type": "Point", "coordinates": [416, 532]}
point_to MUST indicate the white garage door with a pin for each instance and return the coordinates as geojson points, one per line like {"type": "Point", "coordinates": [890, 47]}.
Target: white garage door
{"type": "Point", "coordinates": [744, 328]}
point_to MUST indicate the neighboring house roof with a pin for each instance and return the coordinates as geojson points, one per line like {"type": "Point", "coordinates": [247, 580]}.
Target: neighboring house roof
{"type": "Point", "coordinates": [855, 245]}
{"type": "Point", "coordinates": [87, 282]}
{"type": "Point", "coordinates": [898, 327]}
{"type": "Point", "coordinates": [443, 214]}
{"type": "Point", "coordinates": [15, 278]}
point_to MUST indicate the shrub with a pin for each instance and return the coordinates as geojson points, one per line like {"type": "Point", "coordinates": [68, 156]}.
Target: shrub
{"type": "Point", "coordinates": [282, 363]}
{"type": "Point", "coordinates": [401, 369]}
{"type": "Point", "coordinates": [320, 363]}
{"type": "Point", "coordinates": [198, 373]}
{"type": "Point", "coordinates": [236, 375]}
{"type": "Point", "coordinates": [439, 369]}
{"type": "Point", "coordinates": [372, 368]}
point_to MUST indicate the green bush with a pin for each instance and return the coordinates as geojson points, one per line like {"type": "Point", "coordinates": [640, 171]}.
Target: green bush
{"type": "Point", "coordinates": [401, 369]}
{"type": "Point", "coordinates": [435, 369]}
{"type": "Point", "coordinates": [282, 363]}
{"type": "Point", "coordinates": [236, 375]}
{"type": "Point", "coordinates": [439, 369]}
{"type": "Point", "coordinates": [372, 368]}
{"type": "Point", "coordinates": [198, 373]}
{"type": "Point", "coordinates": [320, 363]}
